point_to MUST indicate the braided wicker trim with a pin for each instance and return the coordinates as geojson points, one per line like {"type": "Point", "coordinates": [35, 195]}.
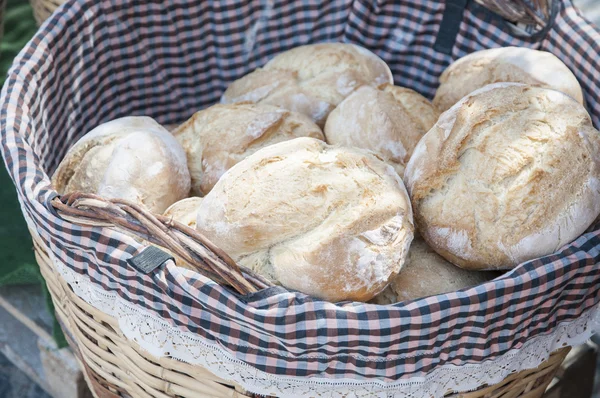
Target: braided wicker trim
{"type": "Point", "coordinates": [185, 242]}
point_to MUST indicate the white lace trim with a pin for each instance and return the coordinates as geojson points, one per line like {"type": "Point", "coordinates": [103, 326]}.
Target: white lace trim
{"type": "Point", "coordinates": [161, 339]}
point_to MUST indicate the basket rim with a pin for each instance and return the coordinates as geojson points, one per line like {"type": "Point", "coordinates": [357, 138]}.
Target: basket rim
{"type": "Point", "coordinates": [199, 291]}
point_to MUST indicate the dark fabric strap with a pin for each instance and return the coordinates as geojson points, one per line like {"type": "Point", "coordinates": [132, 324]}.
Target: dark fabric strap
{"type": "Point", "coordinates": [150, 259]}
{"type": "Point", "coordinates": [453, 15]}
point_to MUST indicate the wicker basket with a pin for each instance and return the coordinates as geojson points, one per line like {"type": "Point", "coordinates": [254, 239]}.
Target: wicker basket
{"type": "Point", "coordinates": [115, 365]}
{"type": "Point", "coordinates": [112, 365]}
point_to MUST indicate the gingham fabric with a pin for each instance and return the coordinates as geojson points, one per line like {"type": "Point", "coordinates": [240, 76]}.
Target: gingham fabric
{"type": "Point", "coordinates": [94, 61]}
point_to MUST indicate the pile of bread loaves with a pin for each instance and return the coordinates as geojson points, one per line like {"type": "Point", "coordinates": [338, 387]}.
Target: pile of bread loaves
{"type": "Point", "coordinates": [317, 172]}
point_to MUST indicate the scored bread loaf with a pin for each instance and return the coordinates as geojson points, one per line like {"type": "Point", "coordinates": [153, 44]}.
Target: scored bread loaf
{"type": "Point", "coordinates": [216, 138]}
{"type": "Point", "coordinates": [389, 121]}
{"type": "Point", "coordinates": [311, 79]}
{"type": "Point", "coordinates": [508, 174]}
{"type": "Point", "coordinates": [131, 158]}
{"type": "Point", "coordinates": [426, 273]}
{"type": "Point", "coordinates": [506, 64]}
{"type": "Point", "coordinates": [332, 222]}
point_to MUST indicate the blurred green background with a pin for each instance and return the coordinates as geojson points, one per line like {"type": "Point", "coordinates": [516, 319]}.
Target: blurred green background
{"type": "Point", "coordinates": [17, 263]}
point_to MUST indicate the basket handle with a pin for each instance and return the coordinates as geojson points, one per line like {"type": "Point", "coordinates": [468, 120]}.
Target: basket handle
{"type": "Point", "coordinates": [537, 15]}
{"type": "Point", "coordinates": [520, 11]}
{"type": "Point", "coordinates": [92, 210]}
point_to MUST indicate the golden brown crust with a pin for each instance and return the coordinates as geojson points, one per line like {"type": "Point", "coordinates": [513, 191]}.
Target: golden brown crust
{"type": "Point", "coordinates": [508, 174]}
{"type": "Point", "coordinates": [130, 158]}
{"type": "Point", "coordinates": [508, 64]}
{"type": "Point", "coordinates": [220, 136]}
{"type": "Point", "coordinates": [331, 222]}
{"type": "Point", "coordinates": [388, 122]}
{"type": "Point", "coordinates": [426, 273]}
{"type": "Point", "coordinates": [311, 79]}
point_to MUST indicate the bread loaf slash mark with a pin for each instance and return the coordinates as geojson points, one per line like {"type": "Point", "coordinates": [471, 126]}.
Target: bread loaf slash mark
{"type": "Point", "coordinates": [255, 95]}
{"type": "Point", "coordinates": [387, 233]}
{"type": "Point", "coordinates": [66, 171]}
{"type": "Point", "coordinates": [264, 122]}
{"type": "Point", "coordinates": [320, 189]}
{"type": "Point", "coordinates": [273, 159]}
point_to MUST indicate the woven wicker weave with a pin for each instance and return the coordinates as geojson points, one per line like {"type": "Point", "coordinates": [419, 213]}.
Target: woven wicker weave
{"type": "Point", "coordinates": [113, 364]}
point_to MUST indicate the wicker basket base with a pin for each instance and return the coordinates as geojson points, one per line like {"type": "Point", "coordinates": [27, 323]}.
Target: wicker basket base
{"type": "Point", "coordinates": [115, 366]}
{"type": "Point", "coordinates": [525, 384]}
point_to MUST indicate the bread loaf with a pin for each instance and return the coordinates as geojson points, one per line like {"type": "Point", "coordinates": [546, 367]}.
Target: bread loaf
{"type": "Point", "coordinates": [131, 158]}
{"type": "Point", "coordinates": [389, 122]}
{"type": "Point", "coordinates": [311, 79]}
{"type": "Point", "coordinates": [507, 64]}
{"type": "Point", "coordinates": [426, 273]}
{"type": "Point", "coordinates": [332, 222]}
{"type": "Point", "coordinates": [218, 137]}
{"type": "Point", "coordinates": [508, 174]}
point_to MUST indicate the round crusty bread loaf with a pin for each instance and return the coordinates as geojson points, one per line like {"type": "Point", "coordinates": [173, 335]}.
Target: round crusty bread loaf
{"type": "Point", "coordinates": [508, 174]}
{"type": "Point", "coordinates": [426, 273]}
{"type": "Point", "coordinates": [506, 64]}
{"type": "Point", "coordinates": [389, 122]}
{"type": "Point", "coordinates": [311, 79]}
{"type": "Point", "coordinates": [131, 158]}
{"type": "Point", "coordinates": [218, 137]}
{"type": "Point", "coordinates": [332, 222]}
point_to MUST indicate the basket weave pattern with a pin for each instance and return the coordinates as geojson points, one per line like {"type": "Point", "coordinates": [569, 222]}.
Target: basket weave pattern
{"type": "Point", "coordinates": [114, 365]}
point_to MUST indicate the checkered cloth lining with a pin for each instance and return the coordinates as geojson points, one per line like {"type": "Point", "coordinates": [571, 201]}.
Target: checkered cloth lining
{"type": "Point", "coordinates": [95, 61]}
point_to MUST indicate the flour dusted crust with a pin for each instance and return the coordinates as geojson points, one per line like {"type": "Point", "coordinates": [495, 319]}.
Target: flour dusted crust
{"type": "Point", "coordinates": [508, 174]}
{"type": "Point", "coordinates": [311, 79]}
{"type": "Point", "coordinates": [389, 121]}
{"type": "Point", "coordinates": [506, 64]}
{"type": "Point", "coordinates": [332, 222]}
{"type": "Point", "coordinates": [426, 273]}
{"type": "Point", "coordinates": [131, 158]}
{"type": "Point", "coordinates": [220, 136]}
